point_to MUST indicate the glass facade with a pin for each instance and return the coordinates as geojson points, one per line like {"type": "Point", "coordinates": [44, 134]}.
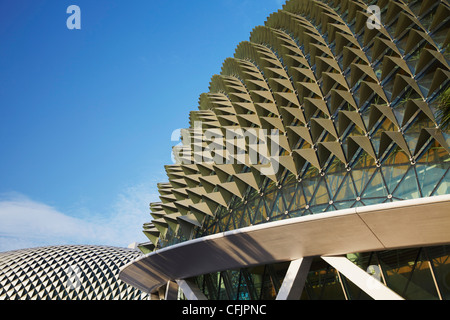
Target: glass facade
{"type": "Point", "coordinates": [335, 190]}
{"type": "Point", "coordinates": [414, 274]}
{"type": "Point", "coordinates": [361, 185]}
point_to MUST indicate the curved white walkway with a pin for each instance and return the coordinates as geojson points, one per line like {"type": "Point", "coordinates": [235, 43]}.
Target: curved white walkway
{"type": "Point", "coordinates": [409, 223]}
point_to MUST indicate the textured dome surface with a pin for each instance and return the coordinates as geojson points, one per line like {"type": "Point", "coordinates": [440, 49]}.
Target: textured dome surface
{"type": "Point", "coordinates": [346, 107]}
{"type": "Point", "coordinates": [72, 272]}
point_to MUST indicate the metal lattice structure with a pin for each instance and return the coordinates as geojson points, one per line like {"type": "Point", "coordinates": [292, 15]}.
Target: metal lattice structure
{"type": "Point", "coordinates": [67, 272]}
{"type": "Point", "coordinates": [351, 108]}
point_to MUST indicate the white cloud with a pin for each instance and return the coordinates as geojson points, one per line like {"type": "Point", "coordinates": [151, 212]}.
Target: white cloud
{"type": "Point", "coordinates": [25, 223]}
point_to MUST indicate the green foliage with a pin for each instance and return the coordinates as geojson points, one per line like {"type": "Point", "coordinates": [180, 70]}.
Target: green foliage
{"type": "Point", "coordinates": [444, 109]}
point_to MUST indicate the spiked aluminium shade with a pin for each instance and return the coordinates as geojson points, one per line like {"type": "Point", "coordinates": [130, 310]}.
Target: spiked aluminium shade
{"type": "Point", "coordinates": [66, 272]}
{"type": "Point", "coordinates": [347, 114]}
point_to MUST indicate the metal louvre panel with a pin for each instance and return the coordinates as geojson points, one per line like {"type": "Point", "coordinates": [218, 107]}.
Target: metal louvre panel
{"type": "Point", "coordinates": [354, 108]}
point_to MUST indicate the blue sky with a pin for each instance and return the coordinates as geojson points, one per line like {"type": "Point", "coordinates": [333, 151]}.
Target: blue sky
{"type": "Point", "coordinates": [86, 116]}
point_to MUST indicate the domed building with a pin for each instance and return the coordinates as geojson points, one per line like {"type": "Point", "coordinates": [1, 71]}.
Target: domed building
{"type": "Point", "coordinates": [317, 165]}
{"type": "Point", "coordinates": [66, 272]}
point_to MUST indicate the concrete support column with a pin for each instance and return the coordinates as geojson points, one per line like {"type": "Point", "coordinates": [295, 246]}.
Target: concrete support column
{"type": "Point", "coordinates": [190, 290]}
{"type": "Point", "coordinates": [171, 291]}
{"type": "Point", "coordinates": [362, 279]}
{"type": "Point", "coordinates": [294, 281]}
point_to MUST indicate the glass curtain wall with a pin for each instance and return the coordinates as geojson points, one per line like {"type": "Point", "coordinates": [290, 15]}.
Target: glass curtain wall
{"type": "Point", "coordinates": [414, 274]}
